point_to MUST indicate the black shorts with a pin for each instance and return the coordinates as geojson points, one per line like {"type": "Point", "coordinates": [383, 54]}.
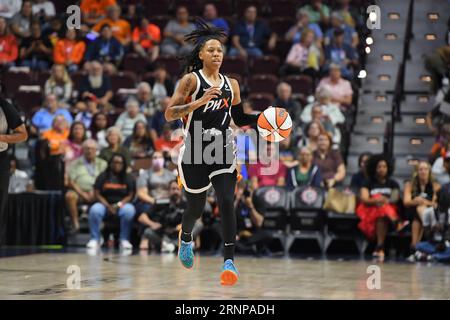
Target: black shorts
{"type": "Point", "coordinates": [196, 176]}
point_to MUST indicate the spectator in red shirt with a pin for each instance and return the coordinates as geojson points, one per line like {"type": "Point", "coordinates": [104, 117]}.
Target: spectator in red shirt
{"type": "Point", "coordinates": [268, 171]}
{"type": "Point", "coordinates": [166, 143]}
{"type": "Point", "coordinates": [9, 49]}
{"type": "Point", "coordinates": [146, 39]}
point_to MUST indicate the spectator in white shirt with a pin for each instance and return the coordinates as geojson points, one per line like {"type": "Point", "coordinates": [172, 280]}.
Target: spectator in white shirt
{"type": "Point", "coordinates": [441, 169]}
{"type": "Point", "coordinates": [8, 8]}
{"type": "Point", "coordinates": [129, 117]}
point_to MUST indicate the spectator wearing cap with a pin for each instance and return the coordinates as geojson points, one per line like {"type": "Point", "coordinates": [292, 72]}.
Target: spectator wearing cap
{"type": "Point", "coordinates": [285, 100]}
{"type": "Point", "coordinates": [318, 12]}
{"type": "Point", "coordinates": [121, 29]}
{"type": "Point", "coordinates": [295, 32]}
{"type": "Point", "coordinates": [106, 49]}
{"type": "Point", "coordinates": [147, 39]}
{"type": "Point", "coordinates": [303, 57]}
{"type": "Point", "coordinates": [174, 33]}
{"type": "Point", "coordinates": [129, 117]}
{"type": "Point", "coordinates": [251, 36]}
{"type": "Point", "coordinates": [441, 169]}
{"type": "Point", "coordinates": [42, 119]}
{"type": "Point", "coordinates": [69, 51]}
{"type": "Point", "coordinates": [351, 37]}
{"type": "Point", "coordinates": [341, 54]}
{"type": "Point", "coordinates": [97, 84]}
{"type": "Point", "coordinates": [94, 10]}
{"type": "Point", "coordinates": [210, 16]}
{"type": "Point", "coordinates": [59, 84]}
{"type": "Point", "coordinates": [340, 89]}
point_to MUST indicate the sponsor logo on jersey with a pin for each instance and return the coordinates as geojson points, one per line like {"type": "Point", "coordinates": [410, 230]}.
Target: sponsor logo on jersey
{"type": "Point", "coordinates": [217, 104]}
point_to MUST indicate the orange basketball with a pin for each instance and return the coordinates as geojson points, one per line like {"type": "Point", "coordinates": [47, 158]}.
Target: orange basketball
{"type": "Point", "coordinates": [274, 124]}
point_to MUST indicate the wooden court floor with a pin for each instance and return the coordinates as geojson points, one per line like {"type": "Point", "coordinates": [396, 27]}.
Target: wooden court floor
{"type": "Point", "coordinates": [110, 275]}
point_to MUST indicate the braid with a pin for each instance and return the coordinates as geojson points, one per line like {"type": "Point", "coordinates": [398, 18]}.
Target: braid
{"type": "Point", "coordinates": [198, 37]}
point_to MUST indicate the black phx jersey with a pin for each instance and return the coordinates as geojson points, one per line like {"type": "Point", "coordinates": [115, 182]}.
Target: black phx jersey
{"type": "Point", "coordinates": [209, 147]}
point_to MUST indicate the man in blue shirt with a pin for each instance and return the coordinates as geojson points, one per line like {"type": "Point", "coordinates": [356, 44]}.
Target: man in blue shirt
{"type": "Point", "coordinates": [210, 16]}
{"type": "Point", "coordinates": [106, 48]}
{"type": "Point", "coordinates": [42, 120]}
{"type": "Point", "coordinates": [250, 36]}
{"type": "Point", "coordinates": [341, 54]}
{"type": "Point", "coordinates": [351, 37]}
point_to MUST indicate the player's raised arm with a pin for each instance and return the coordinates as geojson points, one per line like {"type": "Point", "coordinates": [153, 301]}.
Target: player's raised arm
{"type": "Point", "coordinates": [178, 107]}
{"type": "Point", "coordinates": [240, 118]}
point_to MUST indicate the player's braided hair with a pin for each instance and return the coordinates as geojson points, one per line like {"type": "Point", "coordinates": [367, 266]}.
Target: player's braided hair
{"type": "Point", "coordinates": [198, 37]}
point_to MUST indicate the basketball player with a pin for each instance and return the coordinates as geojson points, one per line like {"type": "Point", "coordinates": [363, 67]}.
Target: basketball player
{"type": "Point", "coordinates": [12, 130]}
{"type": "Point", "coordinates": [207, 100]}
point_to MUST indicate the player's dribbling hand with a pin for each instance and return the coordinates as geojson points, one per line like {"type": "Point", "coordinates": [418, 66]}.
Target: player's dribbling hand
{"type": "Point", "coordinates": [210, 93]}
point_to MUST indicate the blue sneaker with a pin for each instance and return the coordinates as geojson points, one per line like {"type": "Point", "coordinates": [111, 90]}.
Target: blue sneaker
{"type": "Point", "coordinates": [229, 274]}
{"type": "Point", "coordinates": [186, 252]}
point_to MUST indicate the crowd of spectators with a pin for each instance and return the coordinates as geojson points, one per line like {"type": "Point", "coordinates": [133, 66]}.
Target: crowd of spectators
{"type": "Point", "coordinates": [119, 153]}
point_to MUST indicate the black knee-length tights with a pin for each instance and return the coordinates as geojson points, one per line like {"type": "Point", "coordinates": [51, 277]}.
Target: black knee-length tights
{"type": "Point", "coordinates": [224, 184]}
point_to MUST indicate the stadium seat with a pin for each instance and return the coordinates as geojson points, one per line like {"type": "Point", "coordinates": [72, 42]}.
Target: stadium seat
{"type": "Point", "coordinates": [366, 143]}
{"type": "Point", "coordinates": [307, 219]}
{"type": "Point", "coordinates": [194, 6]}
{"type": "Point", "coordinates": [171, 64]}
{"type": "Point", "coordinates": [62, 5]}
{"type": "Point", "coordinates": [375, 103]}
{"type": "Point", "coordinates": [344, 227]}
{"type": "Point", "coordinates": [412, 145]}
{"type": "Point", "coordinates": [263, 83]}
{"type": "Point", "coordinates": [281, 25]}
{"type": "Point", "coordinates": [417, 104]}
{"type": "Point", "coordinates": [282, 8]}
{"type": "Point", "coordinates": [155, 8]}
{"type": "Point", "coordinates": [265, 65]}
{"type": "Point", "coordinates": [124, 79]}
{"type": "Point", "coordinates": [273, 203]}
{"type": "Point", "coordinates": [260, 100]}
{"type": "Point", "coordinates": [40, 78]}
{"type": "Point", "coordinates": [302, 85]}
{"type": "Point", "coordinates": [28, 101]}
{"type": "Point", "coordinates": [234, 65]}
{"type": "Point", "coordinates": [371, 124]}
{"type": "Point", "coordinates": [160, 20]}
{"type": "Point", "coordinates": [282, 49]}
{"type": "Point", "coordinates": [13, 80]}
{"type": "Point", "coordinates": [136, 63]}
{"type": "Point", "coordinates": [412, 125]}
